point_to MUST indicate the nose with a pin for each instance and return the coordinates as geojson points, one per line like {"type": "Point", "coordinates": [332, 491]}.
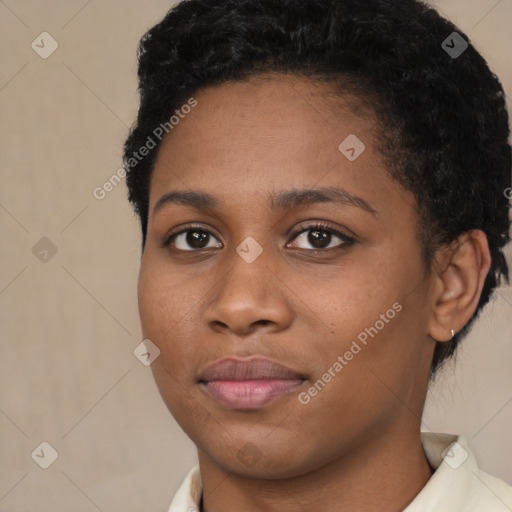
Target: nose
{"type": "Point", "coordinates": [249, 297]}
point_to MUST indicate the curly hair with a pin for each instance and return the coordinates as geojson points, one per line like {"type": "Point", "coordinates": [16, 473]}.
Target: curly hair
{"type": "Point", "coordinates": [443, 120]}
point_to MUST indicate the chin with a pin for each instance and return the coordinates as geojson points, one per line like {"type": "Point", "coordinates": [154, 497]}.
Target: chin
{"type": "Point", "coordinates": [272, 462]}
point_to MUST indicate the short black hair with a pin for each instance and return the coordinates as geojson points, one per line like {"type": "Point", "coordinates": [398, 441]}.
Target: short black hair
{"type": "Point", "coordinates": [442, 115]}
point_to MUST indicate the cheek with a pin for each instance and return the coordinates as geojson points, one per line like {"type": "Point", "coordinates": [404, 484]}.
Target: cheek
{"type": "Point", "coordinates": [155, 304]}
{"type": "Point", "coordinates": [166, 310]}
{"type": "Point", "coordinates": [164, 295]}
{"type": "Point", "coordinates": [376, 312]}
{"type": "Point", "coordinates": [166, 316]}
{"type": "Point", "coordinates": [352, 297]}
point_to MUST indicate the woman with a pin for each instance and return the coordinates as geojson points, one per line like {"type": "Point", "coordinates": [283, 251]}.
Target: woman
{"type": "Point", "coordinates": [321, 186]}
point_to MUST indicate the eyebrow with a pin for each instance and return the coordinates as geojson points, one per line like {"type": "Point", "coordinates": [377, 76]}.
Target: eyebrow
{"type": "Point", "coordinates": [284, 200]}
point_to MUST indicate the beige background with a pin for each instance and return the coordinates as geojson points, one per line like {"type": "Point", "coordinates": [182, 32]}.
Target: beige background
{"type": "Point", "coordinates": [70, 325]}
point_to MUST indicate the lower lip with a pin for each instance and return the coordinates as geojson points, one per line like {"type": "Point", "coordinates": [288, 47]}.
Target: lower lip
{"type": "Point", "coordinates": [249, 394]}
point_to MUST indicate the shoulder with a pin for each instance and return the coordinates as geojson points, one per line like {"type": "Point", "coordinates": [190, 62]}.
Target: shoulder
{"type": "Point", "coordinates": [458, 483]}
{"type": "Point", "coordinates": [487, 492]}
{"type": "Point", "coordinates": [188, 495]}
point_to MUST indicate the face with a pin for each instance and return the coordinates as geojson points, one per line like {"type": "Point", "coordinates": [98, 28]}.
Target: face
{"type": "Point", "coordinates": [264, 270]}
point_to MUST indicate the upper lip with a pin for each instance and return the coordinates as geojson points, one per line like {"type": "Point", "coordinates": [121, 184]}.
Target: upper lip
{"type": "Point", "coordinates": [255, 368]}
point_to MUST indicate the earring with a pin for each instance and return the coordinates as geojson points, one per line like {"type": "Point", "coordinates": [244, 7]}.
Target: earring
{"type": "Point", "coordinates": [453, 334]}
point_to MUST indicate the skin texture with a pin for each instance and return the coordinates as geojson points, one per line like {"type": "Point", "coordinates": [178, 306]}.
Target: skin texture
{"type": "Point", "coordinates": [356, 443]}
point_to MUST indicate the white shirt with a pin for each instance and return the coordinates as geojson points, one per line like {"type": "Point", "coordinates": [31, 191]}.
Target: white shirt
{"type": "Point", "coordinates": [457, 485]}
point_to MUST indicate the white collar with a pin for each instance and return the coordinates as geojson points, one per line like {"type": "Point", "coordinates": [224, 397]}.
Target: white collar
{"type": "Point", "coordinates": [456, 485]}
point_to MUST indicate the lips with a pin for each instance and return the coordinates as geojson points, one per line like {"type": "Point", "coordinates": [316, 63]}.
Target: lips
{"type": "Point", "coordinates": [248, 383]}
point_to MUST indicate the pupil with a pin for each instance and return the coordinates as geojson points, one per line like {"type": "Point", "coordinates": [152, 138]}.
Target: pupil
{"type": "Point", "coordinates": [318, 237]}
{"type": "Point", "coordinates": [195, 238]}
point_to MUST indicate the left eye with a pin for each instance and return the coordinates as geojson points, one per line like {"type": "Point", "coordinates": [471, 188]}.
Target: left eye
{"type": "Point", "coordinates": [320, 237]}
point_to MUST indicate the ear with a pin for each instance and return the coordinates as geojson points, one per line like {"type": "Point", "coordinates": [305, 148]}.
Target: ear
{"type": "Point", "coordinates": [461, 269]}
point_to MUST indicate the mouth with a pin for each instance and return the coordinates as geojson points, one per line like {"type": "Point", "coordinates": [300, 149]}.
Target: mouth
{"type": "Point", "coordinates": [248, 383]}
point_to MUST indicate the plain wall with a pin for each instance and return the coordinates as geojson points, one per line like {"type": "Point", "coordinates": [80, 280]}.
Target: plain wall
{"type": "Point", "coordinates": [69, 325]}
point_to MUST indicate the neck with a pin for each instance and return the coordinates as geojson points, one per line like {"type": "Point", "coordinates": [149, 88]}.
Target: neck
{"type": "Point", "coordinates": [385, 474]}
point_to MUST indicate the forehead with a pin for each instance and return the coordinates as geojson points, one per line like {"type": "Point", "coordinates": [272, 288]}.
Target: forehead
{"type": "Point", "coordinates": [271, 127]}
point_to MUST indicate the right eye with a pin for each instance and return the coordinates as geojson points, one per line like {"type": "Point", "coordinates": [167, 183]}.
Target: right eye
{"type": "Point", "coordinates": [191, 239]}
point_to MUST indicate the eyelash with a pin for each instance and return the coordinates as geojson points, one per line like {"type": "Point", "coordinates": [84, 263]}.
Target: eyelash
{"type": "Point", "coordinates": [347, 241]}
